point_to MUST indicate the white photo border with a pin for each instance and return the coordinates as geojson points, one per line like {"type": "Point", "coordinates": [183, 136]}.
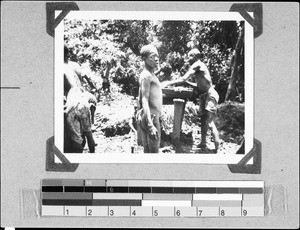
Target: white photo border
{"type": "Point", "coordinates": [155, 158]}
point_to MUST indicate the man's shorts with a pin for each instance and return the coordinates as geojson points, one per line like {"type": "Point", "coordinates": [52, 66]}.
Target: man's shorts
{"type": "Point", "coordinates": [85, 119]}
{"type": "Point", "coordinates": [151, 145]}
{"type": "Point", "coordinates": [142, 120]}
{"type": "Point", "coordinates": [208, 101]}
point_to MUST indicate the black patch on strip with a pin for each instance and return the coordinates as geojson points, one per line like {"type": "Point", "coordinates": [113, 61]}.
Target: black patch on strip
{"type": "Point", "coordinates": [162, 189]}
{"type": "Point", "coordinates": [117, 189]}
{"type": "Point", "coordinates": [251, 190]}
{"type": "Point", "coordinates": [52, 189]}
{"type": "Point", "coordinates": [95, 189]}
{"type": "Point", "coordinates": [73, 189]}
{"type": "Point", "coordinates": [206, 190]}
{"type": "Point", "coordinates": [72, 202]}
{"type": "Point", "coordinates": [227, 190]}
{"type": "Point", "coordinates": [184, 190]}
{"type": "Point", "coordinates": [139, 190]}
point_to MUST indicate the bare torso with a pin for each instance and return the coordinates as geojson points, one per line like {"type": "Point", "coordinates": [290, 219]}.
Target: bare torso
{"type": "Point", "coordinates": [155, 92]}
{"type": "Point", "coordinates": [203, 78]}
{"type": "Point", "coordinates": [72, 76]}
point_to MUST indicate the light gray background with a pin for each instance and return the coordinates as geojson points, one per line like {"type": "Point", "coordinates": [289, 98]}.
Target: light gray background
{"type": "Point", "coordinates": [27, 118]}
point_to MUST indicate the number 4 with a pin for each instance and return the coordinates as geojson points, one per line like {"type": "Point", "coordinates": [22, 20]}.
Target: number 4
{"type": "Point", "coordinates": [133, 213]}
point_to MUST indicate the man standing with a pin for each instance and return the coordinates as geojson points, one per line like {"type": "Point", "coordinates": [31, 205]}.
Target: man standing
{"type": "Point", "coordinates": [77, 116]}
{"type": "Point", "coordinates": [105, 77]}
{"type": "Point", "coordinates": [208, 99]}
{"type": "Point", "coordinates": [150, 98]}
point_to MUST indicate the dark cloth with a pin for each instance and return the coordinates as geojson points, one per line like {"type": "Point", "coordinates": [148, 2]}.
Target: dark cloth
{"type": "Point", "coordinates": [91, 143]}
{"type": "Point", "coordinates": [150, 145]}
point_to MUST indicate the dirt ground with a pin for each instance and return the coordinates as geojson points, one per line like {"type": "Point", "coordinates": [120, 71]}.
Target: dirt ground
{"type": "Point", "coordinates": [116, 109]}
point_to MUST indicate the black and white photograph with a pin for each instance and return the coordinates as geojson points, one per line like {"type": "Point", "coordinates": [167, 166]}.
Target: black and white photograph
{"type": "Point", "coordinates": [154, 87]}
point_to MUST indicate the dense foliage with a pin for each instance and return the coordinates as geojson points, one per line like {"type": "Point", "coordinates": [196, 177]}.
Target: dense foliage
{"type": "Point", "coordinates": [95, 43]}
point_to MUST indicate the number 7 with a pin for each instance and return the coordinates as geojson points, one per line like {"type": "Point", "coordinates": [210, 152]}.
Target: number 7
{"type": "Point", "coordinates": [199, 212]}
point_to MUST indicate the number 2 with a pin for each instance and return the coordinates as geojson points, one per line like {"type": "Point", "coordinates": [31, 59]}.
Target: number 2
{"type": "Point", "coordinates": [89, 212]}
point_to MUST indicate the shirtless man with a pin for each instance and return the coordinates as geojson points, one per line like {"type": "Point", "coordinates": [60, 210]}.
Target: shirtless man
{"type": "Point", "coordinates": [77, 116]}
{"type": "Point", "coordinates": [208, 98]}
{"type": "Point", "coordinates": [150, 98]}
{"type": "Point", "coordinates": [105, 77]}
{"type": "Point", "coordinates": [72, 74]}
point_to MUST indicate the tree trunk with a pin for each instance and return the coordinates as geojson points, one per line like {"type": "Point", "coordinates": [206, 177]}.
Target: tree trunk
{"type": "Point", "coordinates": [231, 91]}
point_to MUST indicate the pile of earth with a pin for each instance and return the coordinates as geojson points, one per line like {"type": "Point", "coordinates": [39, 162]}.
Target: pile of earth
{"type": "Point", "coordinates": [112, 132]}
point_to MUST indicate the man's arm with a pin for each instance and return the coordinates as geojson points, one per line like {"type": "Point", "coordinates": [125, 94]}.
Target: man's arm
{"type": "Point", "coordinates": [78, 71]}
{"type": "Point", "coordinates": [192, 83]}
{"type": "Point", "coordinates": [182, 79]}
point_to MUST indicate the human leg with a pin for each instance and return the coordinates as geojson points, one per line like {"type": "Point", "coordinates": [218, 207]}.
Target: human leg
{"type": "Point", "coordinates": [93, 109]}
{"type": "Point", "coordinates": [208, 106]}
{"type": "Point", "coordinates": [204, 128]}
{"type": "Point", "coordinates": [154, 144]}
{"type": "Point", "coordinates": [150, 145]}
{"type": "Point", "coordinates": [76, 147]}
{"type": "Point", "coordinates": [84, 140]}
{"type": "Point", "coordinates": [90, 140]}
{"type": "Point", "coordinates": [215, 134]}
{"type": "Point", "coordinates": [203, 120]}
{"type": "Point", "coordinates": [145, 140]}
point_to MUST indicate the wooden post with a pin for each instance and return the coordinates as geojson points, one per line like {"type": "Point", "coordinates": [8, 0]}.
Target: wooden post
{"type": "Point", "coordinates": [179, 105]}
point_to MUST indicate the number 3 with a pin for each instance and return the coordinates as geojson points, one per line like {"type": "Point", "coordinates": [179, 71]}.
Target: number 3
{"type": "Point", "coordinates": [111, 212]}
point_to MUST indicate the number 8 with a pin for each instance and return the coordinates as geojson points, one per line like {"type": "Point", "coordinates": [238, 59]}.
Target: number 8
{"type": "Point", "coordinates": [222, 213]}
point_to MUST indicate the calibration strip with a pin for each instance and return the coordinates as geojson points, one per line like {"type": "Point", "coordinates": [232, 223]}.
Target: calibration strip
{"type": "Point", "coordinates": [152, 198]}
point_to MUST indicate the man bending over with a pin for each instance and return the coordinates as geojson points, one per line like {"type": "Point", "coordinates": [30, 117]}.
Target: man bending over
{"type": "Point", "coordinates": [208, 99]}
